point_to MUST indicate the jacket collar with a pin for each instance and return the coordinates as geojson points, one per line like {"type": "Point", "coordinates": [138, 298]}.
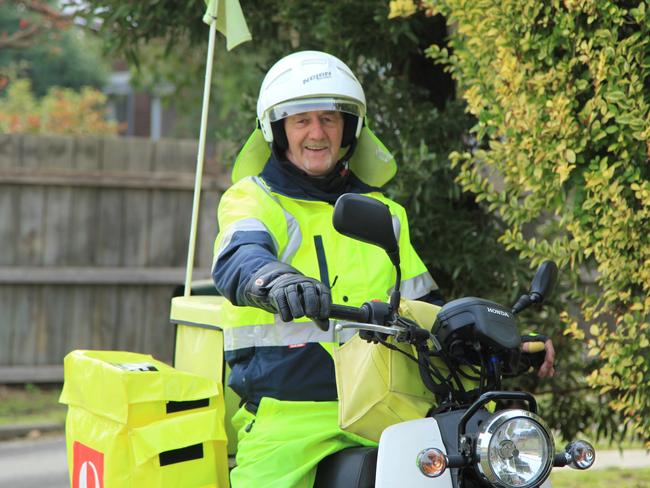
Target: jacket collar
{"type": "Point", "coordinates": [285, 178]}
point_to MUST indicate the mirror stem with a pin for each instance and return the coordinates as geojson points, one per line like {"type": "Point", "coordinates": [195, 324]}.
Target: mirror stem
{"type": "Point", "coordinates": [523, 303]}
{"type": "Point", "coordinates": [396, 295]}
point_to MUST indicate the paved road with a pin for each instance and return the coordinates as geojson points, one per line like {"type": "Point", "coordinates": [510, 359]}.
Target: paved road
{"type": "Point", "coordinates": [633, 458]}
{"type": "Point", "coordinates": [42, 462]}
{"type": "Point", "coordinates": [34, 463]}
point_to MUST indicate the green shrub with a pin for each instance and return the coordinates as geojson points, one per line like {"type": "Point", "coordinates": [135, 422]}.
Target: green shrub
{"type": "Point", "coordinates": [60, 111]}
{"type": "Point", "coordinates": [560, 91]}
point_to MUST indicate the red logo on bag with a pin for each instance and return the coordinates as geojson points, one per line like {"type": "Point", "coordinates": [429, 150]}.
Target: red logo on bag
{"type": "Point", "coordinates": [88, 467]}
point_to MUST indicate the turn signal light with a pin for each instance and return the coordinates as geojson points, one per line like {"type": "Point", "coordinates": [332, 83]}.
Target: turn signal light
{"type": "Point", "coordinates": [432, 462]}
{"type": "Point", "coordinates": [582, 454]}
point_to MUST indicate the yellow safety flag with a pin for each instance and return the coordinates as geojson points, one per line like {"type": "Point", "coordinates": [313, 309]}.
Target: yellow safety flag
{"type": "Point", "coordinates": [230, 21]}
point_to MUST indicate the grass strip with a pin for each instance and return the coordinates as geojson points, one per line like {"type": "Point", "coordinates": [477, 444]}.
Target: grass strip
{"type": "Point", "coordinates": [601, 478]}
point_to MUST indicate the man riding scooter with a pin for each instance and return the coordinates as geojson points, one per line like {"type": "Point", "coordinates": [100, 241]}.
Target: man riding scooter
{"type": "Point", "coordinates": [280, 263]}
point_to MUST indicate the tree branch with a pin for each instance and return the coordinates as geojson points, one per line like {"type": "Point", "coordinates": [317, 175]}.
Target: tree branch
{"type": "Point", "coordinates": [19, 39]}
{"type": "Point", "coordinates": [49, 13]}
{"type": "Point", "coordinates": [49, 19]}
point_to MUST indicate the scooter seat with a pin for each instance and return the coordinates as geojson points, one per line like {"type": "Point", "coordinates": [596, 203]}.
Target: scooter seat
{"type": "Point", "coordinates": [350, 468]}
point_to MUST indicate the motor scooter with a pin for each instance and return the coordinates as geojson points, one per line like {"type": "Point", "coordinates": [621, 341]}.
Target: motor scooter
{"type": "Point", "coordinates": [461, 442]}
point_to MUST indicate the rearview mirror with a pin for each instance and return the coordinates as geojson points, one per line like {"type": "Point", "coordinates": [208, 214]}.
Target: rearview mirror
{"type": "Point", "coordinates": [544, 280]}
{"type": "Point", "coordinates": [540, 288]}
{"type": "Point", "coordinates": [366, 219]}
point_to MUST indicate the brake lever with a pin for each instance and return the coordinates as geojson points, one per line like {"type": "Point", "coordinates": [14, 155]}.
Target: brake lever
{"type": "Point", "coordinates": [382, 329]}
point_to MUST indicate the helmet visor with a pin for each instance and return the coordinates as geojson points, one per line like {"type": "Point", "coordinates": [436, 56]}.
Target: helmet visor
{"type": "Point", "coordinates": [293, 107]}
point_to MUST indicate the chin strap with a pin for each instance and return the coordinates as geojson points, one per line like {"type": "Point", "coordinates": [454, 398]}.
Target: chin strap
{"type": "Point", "coordinates": [348, 154]}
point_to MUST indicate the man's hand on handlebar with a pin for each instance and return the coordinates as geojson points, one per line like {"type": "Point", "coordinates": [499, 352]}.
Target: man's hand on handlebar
{"type": "Point", "coordinates": [282, 289]}
{"type": "Point", "coordinates": [536, 345]}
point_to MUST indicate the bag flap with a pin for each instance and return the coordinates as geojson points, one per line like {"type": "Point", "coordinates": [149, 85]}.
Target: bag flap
{"type": "Point", "coordinates": [176, 432]}
{"type": "Point", "coordinates": [106, 382]}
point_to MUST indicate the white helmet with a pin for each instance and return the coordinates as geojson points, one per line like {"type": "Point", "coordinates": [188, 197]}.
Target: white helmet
{"type": "Point", "coordinates": [306, 81]}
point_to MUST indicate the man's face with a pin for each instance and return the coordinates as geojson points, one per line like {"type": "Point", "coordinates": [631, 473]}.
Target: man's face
{"type": "Point", "coordinates": [314, 140]}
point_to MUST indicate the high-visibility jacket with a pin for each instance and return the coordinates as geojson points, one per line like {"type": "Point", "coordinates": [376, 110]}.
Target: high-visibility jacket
{"type": "Point", "coordinates": [258, 223]}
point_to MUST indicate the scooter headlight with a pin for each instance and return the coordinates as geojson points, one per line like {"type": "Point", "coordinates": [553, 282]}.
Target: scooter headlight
{"type": "Point", "coordinates": [514, 449]}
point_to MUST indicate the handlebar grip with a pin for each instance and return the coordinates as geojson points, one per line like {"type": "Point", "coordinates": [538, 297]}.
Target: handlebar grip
{"type": "Point", "coordinates": [356, 314]}
{"type": "Point", "coordinates": [536, 346]}
{"type": "Point", "coordinates": [535, 354]}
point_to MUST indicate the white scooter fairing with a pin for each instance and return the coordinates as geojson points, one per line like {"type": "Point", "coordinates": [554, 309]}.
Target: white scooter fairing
{"type": "Point", "coordinates": [399, 447]}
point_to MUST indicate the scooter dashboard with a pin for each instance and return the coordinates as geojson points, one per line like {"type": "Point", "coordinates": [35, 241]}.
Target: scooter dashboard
{"type": "Point", "coordinates": [463, 323]}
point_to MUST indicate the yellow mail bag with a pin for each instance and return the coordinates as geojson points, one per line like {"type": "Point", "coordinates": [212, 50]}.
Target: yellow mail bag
{"type": "Point", "coordinates": [134, 421]}
{"type": "Point", "coordinates": [378, 387]}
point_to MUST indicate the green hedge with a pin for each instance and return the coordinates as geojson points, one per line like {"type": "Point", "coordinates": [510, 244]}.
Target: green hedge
{"type": "Point", "coordinates": [560, 91]}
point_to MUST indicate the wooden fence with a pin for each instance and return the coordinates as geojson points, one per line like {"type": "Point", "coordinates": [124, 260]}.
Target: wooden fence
{"type": "Point", "coordinates": [93, 235]}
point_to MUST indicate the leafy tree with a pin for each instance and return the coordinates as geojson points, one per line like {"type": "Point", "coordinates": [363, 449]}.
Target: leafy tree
{"type": "Point", "coordinates": [36, 22]}
{"type": "Point", "coordinates": [48, 48]}
{"type": "Point", "coordinates": [561, 94]}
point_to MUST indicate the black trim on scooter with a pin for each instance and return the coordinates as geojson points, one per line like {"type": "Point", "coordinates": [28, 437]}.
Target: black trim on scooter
{"type": "Point", "coordinates": [492, 396]}
{"type": "Point", "coordinates": [354, 467]}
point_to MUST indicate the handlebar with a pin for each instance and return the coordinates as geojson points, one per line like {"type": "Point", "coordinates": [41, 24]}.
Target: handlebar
{"type": "Point", "coordinates": [355, 314]}
{"type": "Point", "coordinates": [379, 317]}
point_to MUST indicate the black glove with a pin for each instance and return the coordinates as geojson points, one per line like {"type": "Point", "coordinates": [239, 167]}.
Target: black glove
{"type": "Point", "coordinates": [279, 288]}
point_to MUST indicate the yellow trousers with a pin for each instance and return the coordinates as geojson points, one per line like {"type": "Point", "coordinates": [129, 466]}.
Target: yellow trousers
{"type": "Point", "coordinates": [281, 445]}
